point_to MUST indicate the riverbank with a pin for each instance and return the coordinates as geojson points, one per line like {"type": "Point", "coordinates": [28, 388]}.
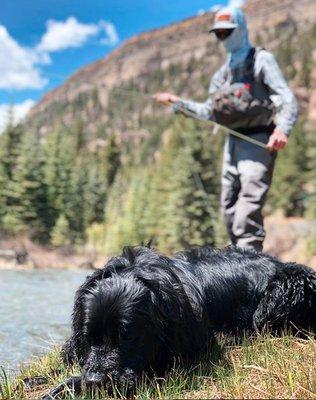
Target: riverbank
{"type": "Point", "coordinates": [44, 257]}
{"type": "Point", "coordinates": [264, 367]}
{"type": "Point", "coordinates": [289, 239]}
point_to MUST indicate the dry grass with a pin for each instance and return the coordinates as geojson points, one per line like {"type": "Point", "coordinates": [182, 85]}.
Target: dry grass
{"type": "Point", "coordinates": [265, 367]}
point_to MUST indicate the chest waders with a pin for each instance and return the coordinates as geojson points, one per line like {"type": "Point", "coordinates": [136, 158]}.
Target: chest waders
{"type": "Point", "coordinates": [247, 169]}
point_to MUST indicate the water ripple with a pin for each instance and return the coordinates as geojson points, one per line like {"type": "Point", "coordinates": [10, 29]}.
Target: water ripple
{"type": "Point", "coordinates": [35, 310]}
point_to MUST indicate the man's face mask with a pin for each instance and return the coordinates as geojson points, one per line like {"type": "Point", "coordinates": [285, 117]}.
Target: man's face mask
{"type": "Point", "coordinates": [223, 34]}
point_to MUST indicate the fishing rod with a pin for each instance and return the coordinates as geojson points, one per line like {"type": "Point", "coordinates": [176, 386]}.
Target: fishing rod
{"type": "Point", "coordinates": [227, 131]}
{"type": "Point", "coordinates": [191, 114]}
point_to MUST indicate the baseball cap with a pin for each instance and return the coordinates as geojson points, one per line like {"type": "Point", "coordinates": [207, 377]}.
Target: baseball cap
{"type": "Point", "coordinates": [224, 19]}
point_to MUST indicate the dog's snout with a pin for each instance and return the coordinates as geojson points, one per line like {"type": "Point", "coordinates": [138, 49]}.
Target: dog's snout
{"type": "Point", "coordinates": [93, 378]}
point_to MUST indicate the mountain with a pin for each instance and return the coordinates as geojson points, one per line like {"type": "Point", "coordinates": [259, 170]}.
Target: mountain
{"type": "Point", "coordinates": [276, 24]}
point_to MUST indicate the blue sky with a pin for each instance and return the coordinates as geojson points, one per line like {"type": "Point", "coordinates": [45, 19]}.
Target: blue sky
{"type": "Point", "coordinates": [42, 42]}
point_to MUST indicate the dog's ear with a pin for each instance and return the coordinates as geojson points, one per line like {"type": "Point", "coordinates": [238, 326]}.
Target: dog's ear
{"type": "Point", "coordinates": [164, 297]}
{"type": "Point", "coordinates": [129, 253]}
{"type": "Point", "coordinates": [150, 244]}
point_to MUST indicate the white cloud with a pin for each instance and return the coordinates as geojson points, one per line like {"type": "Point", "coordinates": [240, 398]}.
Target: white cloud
{"type": "Point", "coordinates": [112, 37]}
{"type": "Point", "coordinates": [216, 8]}
{"type": "Point", "coordinates": [230, 3]}
{"type": "Point", "coordinates": [61, 35]}
{"type": "Point", "coordinates": [213, 9]}
{"type": "Point", "coordinates": [236, 3]}
{"type": "Point", "coordinates": [19, 112]}
{"type": "Point", "coordinates": [18, 65]}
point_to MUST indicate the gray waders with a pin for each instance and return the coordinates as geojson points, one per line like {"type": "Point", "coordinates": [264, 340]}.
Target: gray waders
{"type": "Point", "coordinates": [246, 179]}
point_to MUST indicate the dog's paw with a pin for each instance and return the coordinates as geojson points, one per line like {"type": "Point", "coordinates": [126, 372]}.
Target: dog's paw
{"type": "Point", "coordinates": [73, 384]}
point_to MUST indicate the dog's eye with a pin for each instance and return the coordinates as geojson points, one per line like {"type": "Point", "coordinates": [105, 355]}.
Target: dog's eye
{"type": "Point", "coordinates": [126, 335]}
{"type": "Point", "coordinates": [121, 333]}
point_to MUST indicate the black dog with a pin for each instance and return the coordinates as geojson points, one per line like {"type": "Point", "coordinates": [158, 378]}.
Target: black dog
{"type": "Point", "coordinates": [144, 309]}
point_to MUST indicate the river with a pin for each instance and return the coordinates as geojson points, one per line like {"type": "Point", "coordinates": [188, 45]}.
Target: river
{"type": "Point", "coordinates": [35, 312]}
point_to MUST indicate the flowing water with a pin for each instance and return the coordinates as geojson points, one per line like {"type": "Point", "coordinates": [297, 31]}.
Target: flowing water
{"type": "Point", "coordinates": [35, 311]}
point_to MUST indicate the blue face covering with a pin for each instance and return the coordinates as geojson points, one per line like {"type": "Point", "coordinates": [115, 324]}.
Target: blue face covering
{"type": "Point", "coordinates": [237, 44]}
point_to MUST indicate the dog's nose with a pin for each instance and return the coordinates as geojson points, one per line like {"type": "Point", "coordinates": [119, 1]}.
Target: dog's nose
{"type": "Point", "coordinates": [93, 379]}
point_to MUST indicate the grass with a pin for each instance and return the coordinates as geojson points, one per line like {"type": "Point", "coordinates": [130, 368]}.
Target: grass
{"type": "Point", "coordinates": [264, 367]}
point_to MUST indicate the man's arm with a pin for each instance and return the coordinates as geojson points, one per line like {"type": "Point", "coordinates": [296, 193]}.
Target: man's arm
{"type": "Point", "coordinates": [287, 112]}
{"type": "Point", "coordinates": [202, 110]}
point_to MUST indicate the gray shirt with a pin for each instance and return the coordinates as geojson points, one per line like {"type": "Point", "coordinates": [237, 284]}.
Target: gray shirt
{"type": "Point", "coordinates": [267, 68]}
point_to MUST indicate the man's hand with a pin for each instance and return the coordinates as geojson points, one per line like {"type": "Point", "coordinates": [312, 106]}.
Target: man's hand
{"type": "Point", "coordinates": [165, 98]}
{"type": "Point", "coordinates": [278, 140]}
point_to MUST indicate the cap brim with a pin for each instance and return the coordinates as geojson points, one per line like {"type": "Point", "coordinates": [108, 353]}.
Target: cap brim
{"type": "Point", "coordinates": [223, 25]}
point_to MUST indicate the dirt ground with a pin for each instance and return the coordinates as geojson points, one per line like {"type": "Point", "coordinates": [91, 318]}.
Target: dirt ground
{"type": "Point", "coordinates": [291, 239]}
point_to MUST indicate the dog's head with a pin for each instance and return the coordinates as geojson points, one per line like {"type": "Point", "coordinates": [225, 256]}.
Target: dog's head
{"type": "Point", "coordinates": [136, 320]}
{"type": "Point", "coordinates": [121, 331]}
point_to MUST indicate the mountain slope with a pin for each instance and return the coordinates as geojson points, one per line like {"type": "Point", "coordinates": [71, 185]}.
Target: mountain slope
{"type": "Point", "coordinates": [86, 93]}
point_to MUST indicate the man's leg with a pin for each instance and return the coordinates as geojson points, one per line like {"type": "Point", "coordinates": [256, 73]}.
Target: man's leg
{"type": "Point", "coordinates": [230, 188]}
{"type": "Point", "coordinates": [255, 166]}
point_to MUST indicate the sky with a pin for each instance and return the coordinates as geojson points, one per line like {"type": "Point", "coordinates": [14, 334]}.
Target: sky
{"type": "Point", "coordinates": [43, 42]}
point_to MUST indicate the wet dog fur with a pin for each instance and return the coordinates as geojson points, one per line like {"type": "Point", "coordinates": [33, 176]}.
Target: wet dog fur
{"type": "Point", "coordinates": [144, 309]}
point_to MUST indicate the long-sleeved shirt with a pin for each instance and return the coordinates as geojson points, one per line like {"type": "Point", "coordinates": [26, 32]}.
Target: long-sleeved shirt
{"type": "Point", "coordinates": [267, 68]}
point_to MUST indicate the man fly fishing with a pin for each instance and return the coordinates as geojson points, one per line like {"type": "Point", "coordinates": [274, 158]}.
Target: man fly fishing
{"type": "Point", "coordinates": [248, 94]}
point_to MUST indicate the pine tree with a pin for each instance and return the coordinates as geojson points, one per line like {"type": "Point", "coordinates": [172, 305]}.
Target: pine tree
{"type": "Point", "coordinates": [78, 134]}
{"type": "Point", "coordinates": [10, 141]}
{"type": "Point", "coordinates": [305, 53]}
{"type": "Point", "coordinates": [152, 213]}
{"type": "Point", "coordinates": [132, 226]}
{"type": "Point", "coordinates": [60, 236]}
{"type": "Point", "coordinates": [76, 206]}
{"type": "Point", "coordinates": [95, 194]}
{"type": "Point", "coordinates": [59, 162]}
{"type": "Point", "coordinates": [113, 214]}
{"type": "Point", "coordinates": [290, 176]}
{"type": "Point", "coordinates": [28, 192]}
{"type": "Point", "coordinates": [3, 185]}
{"type": "Point", "coordinates": [306, 70]}
{"type": "Point", "coordinates": [285, 55]}
{"type": "Point", "coordinates": [205, 173]}
{"type": "Point", "coordinates": [175, 187]}
{"type": "Point", "coordinates": [110, 160]}
{"type": "Point", "coordinates": [9, 150]}
{"type": "Point", "coordinates": [310, 201]}
{"type": "Point", "coordinates": [187, 183]}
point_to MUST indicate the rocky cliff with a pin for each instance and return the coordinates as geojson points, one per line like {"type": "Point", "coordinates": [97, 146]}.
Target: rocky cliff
{"type": "Point", "coordinates": [276, 24]}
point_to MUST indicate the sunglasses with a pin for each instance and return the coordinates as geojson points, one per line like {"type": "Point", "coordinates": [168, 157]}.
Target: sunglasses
{"type": "Point", "coordinates": [223, 34]}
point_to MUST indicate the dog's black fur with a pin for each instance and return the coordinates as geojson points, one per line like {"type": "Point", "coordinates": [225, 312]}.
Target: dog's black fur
{"type": "Point", "coordinates": [144, 309]}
